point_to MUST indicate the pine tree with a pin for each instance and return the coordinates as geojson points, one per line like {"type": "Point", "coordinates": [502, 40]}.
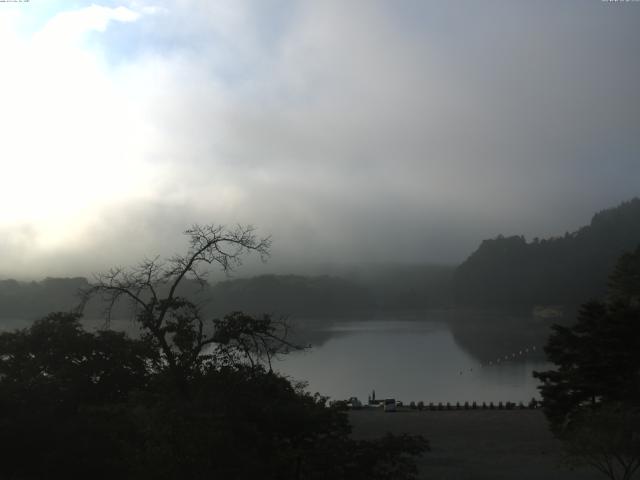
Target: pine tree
{"type": "Point", "coordinates": [592, 399]}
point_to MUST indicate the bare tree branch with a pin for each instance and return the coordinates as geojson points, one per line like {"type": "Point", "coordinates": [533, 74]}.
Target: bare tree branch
{"type": "Point", "coordinates": [174, 324]}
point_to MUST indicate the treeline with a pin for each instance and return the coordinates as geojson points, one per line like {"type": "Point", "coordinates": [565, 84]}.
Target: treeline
{"type": "Point", "coordinates": [509, 271]}
{"type": "Point", "coordinates": [361, 291]}
{"type": "Point", "coordinates": [502, 272]}
{"type": "Point", "coordinates": [30, 300]}
{"type": "Point", "coordinates": [290, 295]}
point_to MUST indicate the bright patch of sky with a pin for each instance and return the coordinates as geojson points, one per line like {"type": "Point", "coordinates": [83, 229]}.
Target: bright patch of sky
{"type": "Point", "coordinates": [362, 130]}
{"type": "Point", "coordinates": [70, 136]}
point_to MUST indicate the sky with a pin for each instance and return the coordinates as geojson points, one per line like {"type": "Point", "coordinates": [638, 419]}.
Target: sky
{"type": "Point", "coordinates": [360, 131]}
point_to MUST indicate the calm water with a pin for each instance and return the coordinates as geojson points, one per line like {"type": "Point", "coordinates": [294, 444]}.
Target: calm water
{"type": "Point", "coordinates": [423, 359]}
{"type": "Point", "coordinates": [411, 360]}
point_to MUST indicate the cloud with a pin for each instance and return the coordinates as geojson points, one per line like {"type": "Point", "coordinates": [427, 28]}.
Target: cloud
{"type": "Point", "coordinates": [69, 26]}
{"type": "Point", "coordinates": [350, 131]}
{"type": "Point", "coordinates": [70, 137]}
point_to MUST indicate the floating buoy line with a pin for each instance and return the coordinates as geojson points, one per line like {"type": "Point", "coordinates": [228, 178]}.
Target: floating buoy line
{"type": "Point", "coordinates": [514, 355]}
{"type": "Point", "coordinates": [504, 358]}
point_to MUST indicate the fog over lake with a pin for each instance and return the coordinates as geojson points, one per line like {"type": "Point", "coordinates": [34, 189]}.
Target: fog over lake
{"type": "Point", "coordinates": [432, 356]}
{"type": "Point", "coordinates": [412, 360]}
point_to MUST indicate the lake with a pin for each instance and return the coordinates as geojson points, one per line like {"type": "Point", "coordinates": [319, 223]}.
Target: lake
{"type": "Point", "coordinates": [429, 356]}
{"type": "Point", "coordinates": [417, 360]}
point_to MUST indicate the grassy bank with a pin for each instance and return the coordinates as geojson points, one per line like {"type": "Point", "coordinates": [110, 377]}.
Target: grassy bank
{"type": "Point", "coordinates": [477, 444]}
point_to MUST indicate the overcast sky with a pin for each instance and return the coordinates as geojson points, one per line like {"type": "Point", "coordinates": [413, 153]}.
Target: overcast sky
{"type": "Point", "coordinates": [349, 130]}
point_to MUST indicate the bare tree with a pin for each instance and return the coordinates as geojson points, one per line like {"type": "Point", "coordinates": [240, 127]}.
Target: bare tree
{"type": "Point", "coordinates": [174, 324]}
{"type": "Point", "coordinates": [243, 338]}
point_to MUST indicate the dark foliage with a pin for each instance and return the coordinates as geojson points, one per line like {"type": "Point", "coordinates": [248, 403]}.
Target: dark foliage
{"type": "Point", "coordinates": [63, 394]}
{"type": "Point", "coordinates": [192, 398]}
{"type": "Point", "coordinates": [563, 270]}
{"type": "Point", "coordinates": [592, 400]}
{"type": "Point", "coordinates": [95, 405]}
{"type": "Point", "coordinates": [598, 360]}
{"type": "Point", "coordinates": [359, 292]}
{"type": "Point", "coordinates": [624, 282]}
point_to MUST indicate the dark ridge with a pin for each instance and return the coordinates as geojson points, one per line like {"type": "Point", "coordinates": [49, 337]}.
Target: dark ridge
{"type": "Point", "coordinates": [555, 271]}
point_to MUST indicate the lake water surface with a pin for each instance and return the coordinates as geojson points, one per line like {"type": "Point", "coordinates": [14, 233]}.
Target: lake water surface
{"type": "Point", "coordinates": [428, 358]}
{"type": "Point", "coordinates": [412, 360]}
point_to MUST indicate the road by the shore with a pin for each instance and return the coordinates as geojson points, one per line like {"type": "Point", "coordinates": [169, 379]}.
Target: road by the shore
{"type": "Point", "coordinates": [477, 444]}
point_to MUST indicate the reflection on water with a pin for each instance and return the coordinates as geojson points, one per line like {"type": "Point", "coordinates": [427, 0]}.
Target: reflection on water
{"type": "Point", "coordinates": [409, 360]}
{"type": "Point", "coordinates": [434, 357]}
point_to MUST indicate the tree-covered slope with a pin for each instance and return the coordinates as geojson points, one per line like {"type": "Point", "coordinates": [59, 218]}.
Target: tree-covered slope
{"type": "Point", "coordinates": [358, 291]}
{"type": "Point", "coordinates": [34, 299]}
{"type": "Point", "coordinates": [290, 295]}
{"type": "Point", "coordinates": [562, 270]}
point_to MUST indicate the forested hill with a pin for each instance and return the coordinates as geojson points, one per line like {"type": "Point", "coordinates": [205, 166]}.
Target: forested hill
{"type": "Point", "coordinates": [358, 291]}
{"type": "Point", "coordinates": [364, 290]}
{"type": "Point", "coordinates": [568, 270]}
{"type": "Point", "coordinates": [35, 299]}
{"type": "Point", "coordinates": [281, 295]}
{"type": "Point", "coordinates": [289, 295]}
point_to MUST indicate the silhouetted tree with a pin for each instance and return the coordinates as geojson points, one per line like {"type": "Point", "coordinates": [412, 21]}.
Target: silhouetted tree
{"type": "Point", "coordinates": [624, 282]}
{"type": "Point", "coordinates": [173, 324]}
{"type": "Point", "coordinates": [63, 399]}
{"type": "Point", "coordinates": [592, 400]}
{"type": "Point", "coordinates": [191, 398]}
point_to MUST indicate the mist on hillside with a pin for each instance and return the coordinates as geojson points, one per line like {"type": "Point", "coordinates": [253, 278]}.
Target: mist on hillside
{"type": "Point", "coordinates": [295, 240]}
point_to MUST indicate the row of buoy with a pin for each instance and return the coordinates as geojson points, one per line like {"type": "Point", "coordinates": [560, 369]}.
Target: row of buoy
{"type": "Point", "coordinates": [504, 358]}
{"type": "Point", "coordinates": [513, 355]}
